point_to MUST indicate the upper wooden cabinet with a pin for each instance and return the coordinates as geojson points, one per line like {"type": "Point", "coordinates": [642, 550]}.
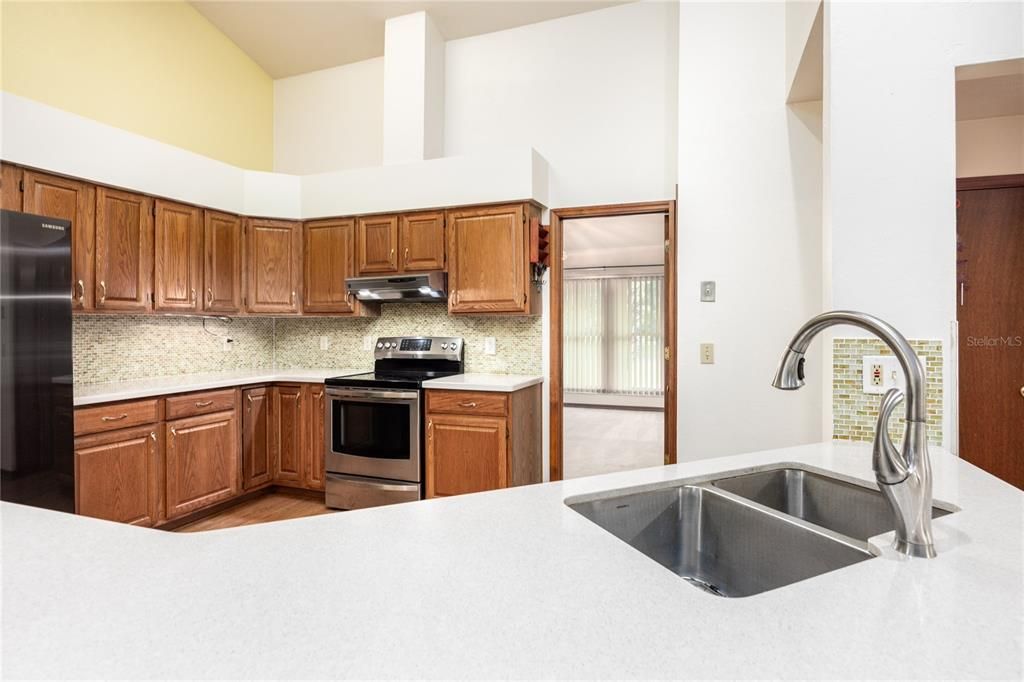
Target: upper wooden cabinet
{"type": "Point", "coordinates": [10, 187]}
{"type": "Point", "coordinates": [488, 260]}
{"type": "Point", "coordinates": [329, 260]}
{"type": "Point", "coordinates": [222, 268]}
{"type": "Point", "coordinates": [117, 475]}
{"type": "Point", "coordinates": [377, 245]}
{"type": "Point", "coordinates": [72, 200]}
{"type": "Point", "coordinates": [274, 261]}
{"type": "Point", "coordinates": [124, 250]}
{"type": "Point", "coordinates": [177, 269]}
{"type": "Point", "coordinates": [421, 241]}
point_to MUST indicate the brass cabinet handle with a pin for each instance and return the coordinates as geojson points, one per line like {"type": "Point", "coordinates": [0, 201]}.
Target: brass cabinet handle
{"type": "Point", "coordinates": [123, 415]}
{"type": "Point", "coordinates": [293, 298]}
{"type": "Point", "coordinates": [430, 429]}
{"type": "Point", "coordinates": [204, 403]}
{"type": "Point", "coordinates": [193, 295]}
{"type": "Point", "coordinates": [391, 257]}
{"type": "Point", "coordinates": [1022, 391]}
{"type": "Point", "coordinates": [407, 255]}
{"type": "Point", "coordinates": [467, 404]}
{"type": "Point", "coordinates": [209, 296]}
{"type": "Point", "coordinates": [524, 298]}
{"type": "Point", "coordinates": [103, 291]}
{"type": "Point", "coordinates": [81, 291]}
{"type": "Point", "coordinates": [174, 431]}
{"type": "Point", "coordinates": [152, 434]}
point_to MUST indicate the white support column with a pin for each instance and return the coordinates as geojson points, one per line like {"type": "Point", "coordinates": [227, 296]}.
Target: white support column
{"type": "Point", "coordinates": [413, 89]}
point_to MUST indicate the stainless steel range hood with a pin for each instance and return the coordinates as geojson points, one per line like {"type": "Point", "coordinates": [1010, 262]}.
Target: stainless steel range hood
{"type": "Point", "coordinates": [425, 286]}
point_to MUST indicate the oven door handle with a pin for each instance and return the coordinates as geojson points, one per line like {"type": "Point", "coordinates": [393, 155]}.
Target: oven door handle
{"type": "Point", "coordinates": [380, 395]}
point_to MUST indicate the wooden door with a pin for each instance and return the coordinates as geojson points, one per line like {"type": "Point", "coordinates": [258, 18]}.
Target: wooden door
{"type": "Point", "coordinates": [990, 230]}
{"type": "Point", "coordinates": [315, 447]}
{"type": "Point", "coordinates": [487, 260]}
{"type": "Point", "coordinates": [201, 456]}
{"type": "Point", "coordinates": [289, 437]}
{"type": "Point", "coordinates": [377, 245]}
{"type": "Point", "coordinates": [257, 436]}
{"type": "Point", "coordinates": [10, 187]}
{"type": "Point", "coordinates": [466, 454]}
{"type": "Point", "coordinates": [117, 475]}
{"type": "Point", "coordinates": [274, 261]}
{"type": "Point", "coordinates": [55, 197]}
{"type": "Point", "coordinates": [124, 250]}
{"type": "Point", "coordinates": [329, 261]}
{"type": "Point", "coordinates": [222, 263]}
{"type": "Point", "coordinates": [177, 268]}
{"type": "Point", "coordinates": [421, 239]}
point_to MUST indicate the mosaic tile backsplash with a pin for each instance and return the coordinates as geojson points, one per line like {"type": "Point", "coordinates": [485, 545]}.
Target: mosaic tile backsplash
{"type": "Point", "coordinates": [127, 347]}
{"type": "Point", "coordinates": [854, 412]}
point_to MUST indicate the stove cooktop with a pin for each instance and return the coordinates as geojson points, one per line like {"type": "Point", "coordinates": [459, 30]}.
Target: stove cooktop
{"type": "Point", "coordinates": [387, 379]}
{"type": "Point", "coordinates": [408, 361]}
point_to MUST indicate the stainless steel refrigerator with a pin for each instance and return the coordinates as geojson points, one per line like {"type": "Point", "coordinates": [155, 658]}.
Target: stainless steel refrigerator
{"type": "Point", "coordinates": [36, 390]}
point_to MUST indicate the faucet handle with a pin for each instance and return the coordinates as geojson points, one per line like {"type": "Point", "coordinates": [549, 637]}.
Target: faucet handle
{"type": "Point", "coordinates": [888, 462]}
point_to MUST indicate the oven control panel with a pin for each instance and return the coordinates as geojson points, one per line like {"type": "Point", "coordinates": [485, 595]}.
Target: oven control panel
{"type": "Point", "coordinates": [441, 347]}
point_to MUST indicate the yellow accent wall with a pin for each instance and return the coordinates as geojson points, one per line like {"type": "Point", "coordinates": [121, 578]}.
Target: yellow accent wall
{"type": "Point", "coordinates": [159, 69]}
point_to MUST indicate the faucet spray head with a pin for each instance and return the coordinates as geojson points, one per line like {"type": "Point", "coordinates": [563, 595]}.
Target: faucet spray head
{"type": "Point", "coordinates": [790, 374]}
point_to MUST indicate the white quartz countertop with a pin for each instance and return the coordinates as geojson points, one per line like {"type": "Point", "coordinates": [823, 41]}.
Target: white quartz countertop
{"type": "Point", "coordinates": [505, 383]}
{"type": "Point", "coordinates": [91, 394]}
{"type": "Point", "coordinates": [504, 584]}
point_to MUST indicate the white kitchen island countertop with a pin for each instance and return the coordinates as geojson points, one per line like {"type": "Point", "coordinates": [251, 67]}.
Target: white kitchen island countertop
{"type": "Point", "coordinates": [471, 381]}
{"type": "Point", "coordinates": [92, 394]}
{"type": "Point", "coordinates": [510, 583]}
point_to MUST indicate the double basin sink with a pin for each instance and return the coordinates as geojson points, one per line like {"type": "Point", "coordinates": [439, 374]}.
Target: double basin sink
{"type": "Point", "coordinates": [736, 535]}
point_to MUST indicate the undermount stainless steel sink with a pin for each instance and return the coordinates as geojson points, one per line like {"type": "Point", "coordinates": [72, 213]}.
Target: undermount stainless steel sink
{"type": "Point", "coordinates": [737, 535]}
{"type": "Point", "coordinates": [852, 510]}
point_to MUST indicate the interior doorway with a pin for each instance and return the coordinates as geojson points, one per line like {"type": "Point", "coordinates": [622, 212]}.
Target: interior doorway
{"type": "Point", "coordinates": [613, 312]}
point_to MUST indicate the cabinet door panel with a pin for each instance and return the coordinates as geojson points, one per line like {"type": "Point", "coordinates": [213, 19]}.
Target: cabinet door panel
{"type": "Point", "coordinates": [117, 476]}
{"type": "Point", "coordinates": [289, 436]}
{"type": "Point", "coordinates": [257, 436]}
{"type": "Point", "coordinates": [124, 250]}
{"type": "Point", "coordinates": [487, 267]}
{"type": "Point", "coordinates": [273, 249]}
{"type": "Point", "coordinates": [202, 462]}
{"type": "Point", "coordinates": [10, 187]}
{"type": "Point", "coordinates": [466, 454]}
{"type": "Point", "coordinates": [55, 197]}
{"type": "Point", "coordinates": [177, 269]}
{"type": "Point", "coordinates": [222, 269]}
{"type": "Point", "coordinates": [315, 447]}
{"type": "Point", "coordinates": [329, 260]}
{"type": "Point", "coordinates": [422, 242]}
{"type": "Point", "coordinates": [377, 245]}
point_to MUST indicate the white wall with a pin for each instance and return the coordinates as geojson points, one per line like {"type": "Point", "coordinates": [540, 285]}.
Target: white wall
{"type": "Point", "coordinates": [330, 120]}
{"type": "Point", "coordinates": [891, 153]}
{"type": "Point", "coordinates": [990, 146]}
{"type": "Point", "coordinates": [749, 217]}
{"type": "Point", "coordinates": [594, 93]}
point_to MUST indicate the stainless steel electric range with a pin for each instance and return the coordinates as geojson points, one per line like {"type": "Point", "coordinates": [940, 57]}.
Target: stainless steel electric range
{"type": "Point", "coordinates": [374, 435]}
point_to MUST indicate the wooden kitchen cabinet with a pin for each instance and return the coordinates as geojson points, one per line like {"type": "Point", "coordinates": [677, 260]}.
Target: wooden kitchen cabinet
{"type": "Point", "coordinates": [257, 437]}
{"type": "Point", "coordinates": [480, 441]}
{"type": "Point", "coordinates": [202, 467]}
{"type": "Point", "coordinates": [315, 444]}
{"type": "Point", "coordinates": [329, 260]}
{"type": "Point", "coordinates": [377, 245]}
{"type": "Point", "coordinates": [489, 268]}
{"type": "Point", "coordinates": [222, 263]}
{"type": "Point", "coordinates": [117, 475]}
{"type": "Point", "coordinates": [57, 197]}
{"type": "Point", "coordinates": [421, 241]}
{"type": "Point", "coordinates": [10, 187]}
{"type": "Point", "coordinates": [124, 250]}
{"type": "Point", "coordinates": [178, 264]}
{"type": "Point", "coordinates": [274, 263]}
{"type": "Point", "coordinates": [289, 439]}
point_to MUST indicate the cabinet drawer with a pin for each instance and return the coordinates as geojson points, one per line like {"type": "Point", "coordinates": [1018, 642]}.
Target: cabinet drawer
{"type": "Point", "coordinates": [207, 402]}
{"type": "Point", "coordinates": [468, 402]}
{"type": "Point", "coordinates": [116, 416]}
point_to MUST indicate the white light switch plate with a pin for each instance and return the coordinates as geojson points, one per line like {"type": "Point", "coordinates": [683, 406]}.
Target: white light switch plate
{"type": "Point", "coordinates": [490, 345]}
{"type": "Point", "coordinates": [707, 353]}
{"type": "Point", "coordinates": [889, 375]}
{"type": "Point", "coordinates": [367, 343]}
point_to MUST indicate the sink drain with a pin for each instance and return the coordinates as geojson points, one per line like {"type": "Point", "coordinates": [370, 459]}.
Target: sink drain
{"type": "Point", "coordinates": [704, 585]}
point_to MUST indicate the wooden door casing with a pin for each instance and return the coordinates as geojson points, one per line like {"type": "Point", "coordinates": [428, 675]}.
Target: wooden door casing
{"type": "Point", "coordinates": [421, 239]}
{"type": "Point", "coordinates": [487, 260]}
{"type": "Point", "coordinates": [257, 437]}
{"type": "Point", "coordinates": [990, 264]}
{"type": "Point", "coordinates": [466, 454]}
{"type": "Point", "coordinates": [289, 435]}
{"type": "Point", "coordinates": [177, 266]}
{"type": "Point", "coordinates": [57, 197]}
{"type": "Point", "coordinates": [117, 475]}
{"type": "Point", "coordinates": [222, 262]}
{"type": "Point", "coordinates": [201, 455]}
{"type": "Point", "coordinates": [274, 261]}
{"type": "Point", "coordinates": [377, 245]}
{"type": "Point", "coordinates": [329, 261]}
{"type": "Point", "coordinates": [124, 250]}
{"type": "Point", "coordinates": [315, 446]}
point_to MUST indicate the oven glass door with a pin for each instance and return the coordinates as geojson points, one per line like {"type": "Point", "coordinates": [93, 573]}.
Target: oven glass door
{"type": "Point", "coordinates": [374, 432]}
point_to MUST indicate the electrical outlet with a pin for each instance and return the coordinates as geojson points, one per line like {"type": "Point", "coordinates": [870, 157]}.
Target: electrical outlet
{"type": "Point", "coordinates": [490, 345]}
{"type": "Point", "coordinates": [367, 343]}
{"type": "Point", "coordinates": [325, 343]}
{"type": "Point", "coordinates": [880, 373]}
{"type": "Point", "coordinates": [877, 377]}
{"type": "Point", "coordinates": [227, 344]}
{"type": "Point", "coordinates": [707, 353]}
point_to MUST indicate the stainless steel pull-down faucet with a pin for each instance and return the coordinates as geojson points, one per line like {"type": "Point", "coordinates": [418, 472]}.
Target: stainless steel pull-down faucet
{"type": "Point", "coordinates": [905, 478]}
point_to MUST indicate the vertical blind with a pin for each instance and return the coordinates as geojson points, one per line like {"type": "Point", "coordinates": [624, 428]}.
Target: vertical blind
{"type": "Point", "coordinates": [614, 335]}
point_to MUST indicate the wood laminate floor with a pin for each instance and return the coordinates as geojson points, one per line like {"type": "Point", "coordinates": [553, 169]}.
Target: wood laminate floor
{"type": "Point", "coordinates": [276, 506]}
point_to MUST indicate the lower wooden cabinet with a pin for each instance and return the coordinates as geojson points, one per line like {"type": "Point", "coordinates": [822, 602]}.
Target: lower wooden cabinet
{"type": "Point", "coordinates": [117, 475]}
{"type": "Point", "coordinates": [257, 434]}
{"type": "Point", "coordinates": [482, 441]}
{"type": "Point", "coordinates": [289, 440]}
{"type": "Point", "coordinates": [316, 445]}
{"type": "Point", "coordinates": [283, 436]}
{"type": "Point", "coordinates": [202, 462]}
